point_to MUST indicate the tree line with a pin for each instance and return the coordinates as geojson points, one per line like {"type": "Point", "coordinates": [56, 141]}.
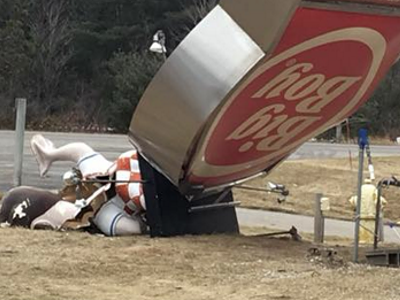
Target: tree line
{"type": "Point", "coordinates": [84, 64]}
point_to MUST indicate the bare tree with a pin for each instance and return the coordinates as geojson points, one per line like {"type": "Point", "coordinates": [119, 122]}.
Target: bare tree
{"type": "Point", "coordinates": [51, 31]}
{"type": "Point", "coordinates": [193, 14]}
{"type": "Point", "coordinates": [196, 12]}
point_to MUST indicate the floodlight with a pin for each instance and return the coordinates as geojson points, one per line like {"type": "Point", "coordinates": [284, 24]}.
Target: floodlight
{"type": "Point", "coordinates": [158, 44]}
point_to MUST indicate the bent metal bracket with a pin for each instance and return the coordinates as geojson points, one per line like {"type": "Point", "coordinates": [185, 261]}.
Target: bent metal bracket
{"type": "Point", "coordinates": [255, 80]}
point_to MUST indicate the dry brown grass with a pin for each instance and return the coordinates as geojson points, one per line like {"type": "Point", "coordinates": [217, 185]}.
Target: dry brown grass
{"type": "Point", "coordinates": [71, 265]}
{"type": "Point", "coordinates": [335, 178]}
{"type": "Point", "coordinates": [54, 266]}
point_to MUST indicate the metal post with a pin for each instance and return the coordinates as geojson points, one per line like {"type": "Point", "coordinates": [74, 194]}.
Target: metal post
{"type": "Point", "coordinates": [20, 105]}
{"type": "Point", "coordinates": [363, 141]}
{"type": "Point", "coordinates": [339, 133]}
{"type": "Point", "coordinates": [358, 207]}
{"type": "Point", "coordinates": [319, 221]}
{"type": "Point", "coordinates": [377, 216]}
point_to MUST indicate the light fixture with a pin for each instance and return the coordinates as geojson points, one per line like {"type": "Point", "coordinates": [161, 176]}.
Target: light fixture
{"type": "Point", "coordinates": [158, 45]}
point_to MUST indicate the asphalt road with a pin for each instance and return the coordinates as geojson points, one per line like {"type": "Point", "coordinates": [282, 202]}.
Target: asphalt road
{"type": "Point", "coordinates": [329, 150]}
{"type": "Point", "coordinates": [111, 146]}
{"type": "Point", "coordinates": [107, 144]}
{"type": "Point", "coordinates": [305, 224]}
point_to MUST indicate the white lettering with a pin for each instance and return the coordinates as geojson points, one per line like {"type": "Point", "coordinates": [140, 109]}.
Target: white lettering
{"type": "Point", "coordinates": [286, 132]}
{"type": "Point", "coordinates": [313, 92]}
{"type": "Point", "coordinates": [304, 87]}
{"type": "Point", "coordinates": [256, 122]}
{"type": "Point", "coordinates": [269, 131]}
{"type": "Point", "coordinates": [284, 80]}
{"type": "Point", "coordinates": [329, 91]}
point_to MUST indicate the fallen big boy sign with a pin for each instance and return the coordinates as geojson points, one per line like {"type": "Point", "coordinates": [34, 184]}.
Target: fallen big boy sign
{"type": "Point", "coordinates": [326, 64]}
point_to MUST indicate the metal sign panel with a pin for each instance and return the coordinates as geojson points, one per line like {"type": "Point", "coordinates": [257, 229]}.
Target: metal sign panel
{"type": "Point", "coordinates": [244, 102]}
{"type": "Point", "coordinates": [194, 81]}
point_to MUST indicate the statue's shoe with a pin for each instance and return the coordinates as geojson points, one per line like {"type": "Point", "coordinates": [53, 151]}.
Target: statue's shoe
{"type": "Point", "coordinates": [40, 147]}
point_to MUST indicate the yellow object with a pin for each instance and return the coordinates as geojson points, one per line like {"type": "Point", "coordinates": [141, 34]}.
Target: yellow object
{"type": "Point", "coordinates": [369, 197]}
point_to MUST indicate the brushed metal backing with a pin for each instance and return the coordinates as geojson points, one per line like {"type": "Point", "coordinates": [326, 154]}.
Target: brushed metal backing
{"type": "Point", "coordinates": [255, 17]}
{"type": "Point", "coordinates": [199, 75]}
{"type": "Point", "coordinates": [188, 87]}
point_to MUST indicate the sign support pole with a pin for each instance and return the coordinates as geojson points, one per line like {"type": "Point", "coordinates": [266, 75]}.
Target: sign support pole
{"type": "Point", "coordinates": [362, 142]}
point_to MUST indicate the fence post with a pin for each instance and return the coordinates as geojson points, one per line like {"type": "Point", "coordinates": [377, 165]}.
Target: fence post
{"type": "Point", "coordinates": [20, 106]}
{"type": "Point", "coordinates": [339, 133]}
{"type": "Point", "coordinates": [319, 221]}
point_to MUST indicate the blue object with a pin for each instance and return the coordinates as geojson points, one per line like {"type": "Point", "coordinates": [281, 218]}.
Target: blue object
{"type": "Point", "coordinates": [362, 138]}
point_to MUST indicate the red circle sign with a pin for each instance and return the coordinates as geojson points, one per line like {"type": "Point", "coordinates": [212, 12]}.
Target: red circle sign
{"type": "Point", "coordinates": [322, 70]}
{"type": "Point", "coordinates": [288, 101]}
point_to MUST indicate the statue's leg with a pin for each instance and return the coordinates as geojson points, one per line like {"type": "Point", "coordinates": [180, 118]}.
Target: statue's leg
{"type": "Point", "coordinates": [46, 153]}
{"type": "Point", "coordinates": [113, 221]}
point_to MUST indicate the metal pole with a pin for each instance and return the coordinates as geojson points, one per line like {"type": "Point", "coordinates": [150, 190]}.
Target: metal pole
{"type": "Point", "coordinates": [358, 208]}
{"type": "Point", "coordinates": [377, 216]}
{"type": "Point", "coordinates": [255, 189]}
{"type": "Point", "coordinates": [370, 165]}
{"type": "Point", "coordinates": [339, 133]}
{"type": "Point", "coordinates": [319, 221]}
{"type": "Point", "coordinates": [20, 105]}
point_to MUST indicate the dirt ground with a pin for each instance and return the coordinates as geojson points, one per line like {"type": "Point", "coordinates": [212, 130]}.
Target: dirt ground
{"type": "Point", "coordinates": [49, 265]}
{"type": "Point", "coordinates": [58, 265]}
{"type": "Point", "coordinates": [334, 178]}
